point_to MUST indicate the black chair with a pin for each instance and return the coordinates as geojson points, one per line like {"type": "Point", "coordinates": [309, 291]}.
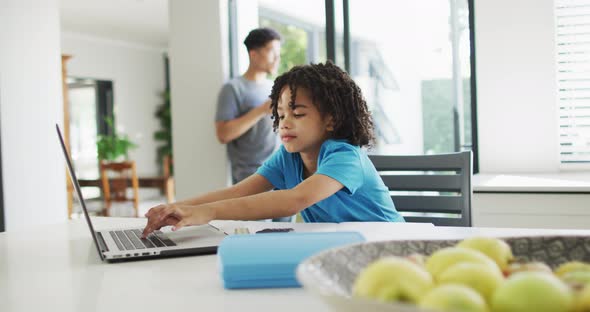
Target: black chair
{"type": "Point", "coordinates": [429, 188]}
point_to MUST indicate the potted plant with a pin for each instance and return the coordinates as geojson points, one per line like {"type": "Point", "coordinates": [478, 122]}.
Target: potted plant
{"type": "Point", "coordinates": [164, 134]}
{"type": "Point", "coordinates": [113, 147]}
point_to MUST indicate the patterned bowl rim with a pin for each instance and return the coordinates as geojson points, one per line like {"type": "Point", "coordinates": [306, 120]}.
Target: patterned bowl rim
{"type": "Point", "coordinates": [307, 279]}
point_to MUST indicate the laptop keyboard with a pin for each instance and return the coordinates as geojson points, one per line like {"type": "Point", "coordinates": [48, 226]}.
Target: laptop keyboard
{"type": "Point", "coordinates": [131, 240]}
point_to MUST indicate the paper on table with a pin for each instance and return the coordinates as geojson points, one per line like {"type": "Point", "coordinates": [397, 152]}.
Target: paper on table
{"type": "Point", "coordinates": [372, 231]}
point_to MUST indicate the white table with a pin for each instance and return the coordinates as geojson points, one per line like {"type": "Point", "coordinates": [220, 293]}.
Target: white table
{"type": "Point", "coordinates": [56, 268]}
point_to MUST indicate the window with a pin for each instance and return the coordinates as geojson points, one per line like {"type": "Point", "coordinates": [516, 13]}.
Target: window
{"type": "Point", "coordinates": [300, 23]}
{"type": "Point", "coordinates": [572, 20]}
{"type": "Point", "coordinates": [412, 60]}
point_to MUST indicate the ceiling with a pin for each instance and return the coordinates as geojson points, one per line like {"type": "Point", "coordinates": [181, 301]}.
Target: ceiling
{"type": "Point", "coordinates": [138, 21]}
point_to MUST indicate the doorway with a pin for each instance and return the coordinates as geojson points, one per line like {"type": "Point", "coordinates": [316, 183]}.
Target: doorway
{"type": "Point", "coordinates": [90, 104]}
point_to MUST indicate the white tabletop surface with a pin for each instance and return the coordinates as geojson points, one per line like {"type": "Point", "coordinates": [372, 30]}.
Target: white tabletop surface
{"type": "Point", "coordinates": [56, 268]}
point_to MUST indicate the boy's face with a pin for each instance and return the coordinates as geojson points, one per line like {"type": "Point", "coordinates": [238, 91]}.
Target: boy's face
{"type": "Point", "coordinates": [302, 128]}
{"type": "Point", "coordinates": [267, 58]}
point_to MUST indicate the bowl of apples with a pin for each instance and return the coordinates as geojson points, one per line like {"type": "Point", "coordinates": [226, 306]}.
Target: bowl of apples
{"type": "Point", "coordinates": [487, 274]}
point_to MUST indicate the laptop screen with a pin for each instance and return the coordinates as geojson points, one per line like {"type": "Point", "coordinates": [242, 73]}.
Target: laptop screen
{"type": "Point", "coordinates": [78, 191]}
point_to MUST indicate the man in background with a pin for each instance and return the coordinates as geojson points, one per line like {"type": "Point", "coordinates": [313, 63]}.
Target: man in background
{"type": "Point", "coordinates": [243, 118]}
{"type": "Point", "coordinates": [242, 121]}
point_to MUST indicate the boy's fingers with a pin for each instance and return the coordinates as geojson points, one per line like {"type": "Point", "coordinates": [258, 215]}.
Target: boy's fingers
{"type": "Point", "coordinates": [159, 220]}
{"type": "Point", "coordinates": [151, 226]}
{"type": "Point", "coordinates": [179, 225]}
{"type": "Point", "coordinates": [165, 213]}
{"type": "Point", "coordinates": [154, 210]}
{"type": "Point", "coordinates": [151, 211]}
{"type": "Point", "coordinates": [171, 220]}
{"type": "Point", "coordinates": [146, 231]}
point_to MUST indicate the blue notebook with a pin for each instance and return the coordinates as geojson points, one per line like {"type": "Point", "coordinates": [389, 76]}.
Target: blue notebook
{"type": "Point", "coordinates": [269, 260]}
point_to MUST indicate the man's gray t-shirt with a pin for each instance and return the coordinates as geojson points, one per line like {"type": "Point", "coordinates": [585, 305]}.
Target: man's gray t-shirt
{"type": "Point", "coordinates": [246, 153]}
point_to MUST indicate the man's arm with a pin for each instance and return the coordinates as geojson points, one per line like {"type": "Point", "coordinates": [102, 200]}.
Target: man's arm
{"type": "Point", "coordinates": [230, 130]}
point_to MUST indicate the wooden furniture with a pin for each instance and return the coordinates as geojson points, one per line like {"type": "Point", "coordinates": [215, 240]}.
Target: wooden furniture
{"type": "Point", "coordinates": [429, 188]}
{"type": "Point", "coordinates": [114, 177]}
{"type": "Point", "coordinates": [168, 179]}
{"type": "Point", "coordinates": [66, 127]}
{"type": "Point", "coordinates": [144, 182]}
{"type": "Point", "coordinates": [165, 182]}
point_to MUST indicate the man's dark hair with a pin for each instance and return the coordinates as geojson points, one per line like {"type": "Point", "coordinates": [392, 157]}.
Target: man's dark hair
{"type": "Point", "coordinates": [334, 94]}
{"type": "Point", "coordinates": [259, 37]}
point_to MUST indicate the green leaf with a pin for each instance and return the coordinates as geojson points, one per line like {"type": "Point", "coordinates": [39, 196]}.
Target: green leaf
{"type": "Point", "coordinates": [111, 147]}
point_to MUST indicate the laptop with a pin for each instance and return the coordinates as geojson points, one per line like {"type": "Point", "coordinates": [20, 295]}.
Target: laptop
{"type": "Point", "coordinates": [127, 244]}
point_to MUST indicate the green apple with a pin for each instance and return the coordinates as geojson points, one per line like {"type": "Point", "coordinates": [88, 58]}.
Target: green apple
{"type": "Point", "coordinates": [572, 266]}
{"type": "Point", "coordinates": [452, 297]}
{"type": "Point", "coordinates": [480, 277]}
{"type": "Point", "coordinates": [535, 266]}
{"type": "Point", "coordinates": [444, 258]}
{"type": "Point", "coordinates": [533, 291]}
{"type": "Point", "coordinates": [497, 249]}
{"type": "Point", "coordinates": [393, 279]}
{"type": "Point", "coordinates": [576, 279]}
{"type": "Point", "coordinates": [583, 300]}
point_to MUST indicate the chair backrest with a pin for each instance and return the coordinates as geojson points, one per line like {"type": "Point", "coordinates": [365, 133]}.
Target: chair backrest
{"type": "Point", "coordinates": [429, 188]}
{"type": "Point", "coordinates": [115, 178]}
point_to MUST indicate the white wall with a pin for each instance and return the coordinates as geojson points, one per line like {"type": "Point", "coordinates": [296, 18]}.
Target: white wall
{"type": "Point", "coordinates": [516, 87]}
{"type": "Point", "coordinates": [138, 76]}
{"type": "Point", "coordinates": [31, 104]}
{"type": "Point", "coordinates": [198, 66]}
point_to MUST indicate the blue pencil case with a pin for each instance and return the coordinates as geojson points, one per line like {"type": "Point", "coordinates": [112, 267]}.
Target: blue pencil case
{"type": "Point", "coordinates": [269, 260]}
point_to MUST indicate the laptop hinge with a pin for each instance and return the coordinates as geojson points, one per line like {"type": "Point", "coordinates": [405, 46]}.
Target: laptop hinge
{"type": "Point", "coordinates": [102, 245]}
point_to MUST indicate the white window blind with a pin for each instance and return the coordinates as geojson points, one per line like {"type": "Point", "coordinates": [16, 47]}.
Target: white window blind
{"type": "Point", "coordinates": [573, 79]}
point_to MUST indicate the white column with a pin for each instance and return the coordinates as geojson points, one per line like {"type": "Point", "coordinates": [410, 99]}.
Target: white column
{"type": "Point", "coordinates": [199, 64]}
{"type": "Point", "coordinates": [31, 104]}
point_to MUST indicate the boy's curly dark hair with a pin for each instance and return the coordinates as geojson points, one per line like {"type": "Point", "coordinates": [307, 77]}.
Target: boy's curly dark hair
{"type": "Point", "coordinates": [334, 93]}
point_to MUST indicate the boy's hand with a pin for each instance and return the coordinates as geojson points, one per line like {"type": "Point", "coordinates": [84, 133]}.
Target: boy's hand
{"type": "Point", "coordinates": [177, 216]}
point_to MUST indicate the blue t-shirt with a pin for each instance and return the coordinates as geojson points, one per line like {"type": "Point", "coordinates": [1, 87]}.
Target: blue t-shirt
{"type": "Point", "coordinates": [364, 197]}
